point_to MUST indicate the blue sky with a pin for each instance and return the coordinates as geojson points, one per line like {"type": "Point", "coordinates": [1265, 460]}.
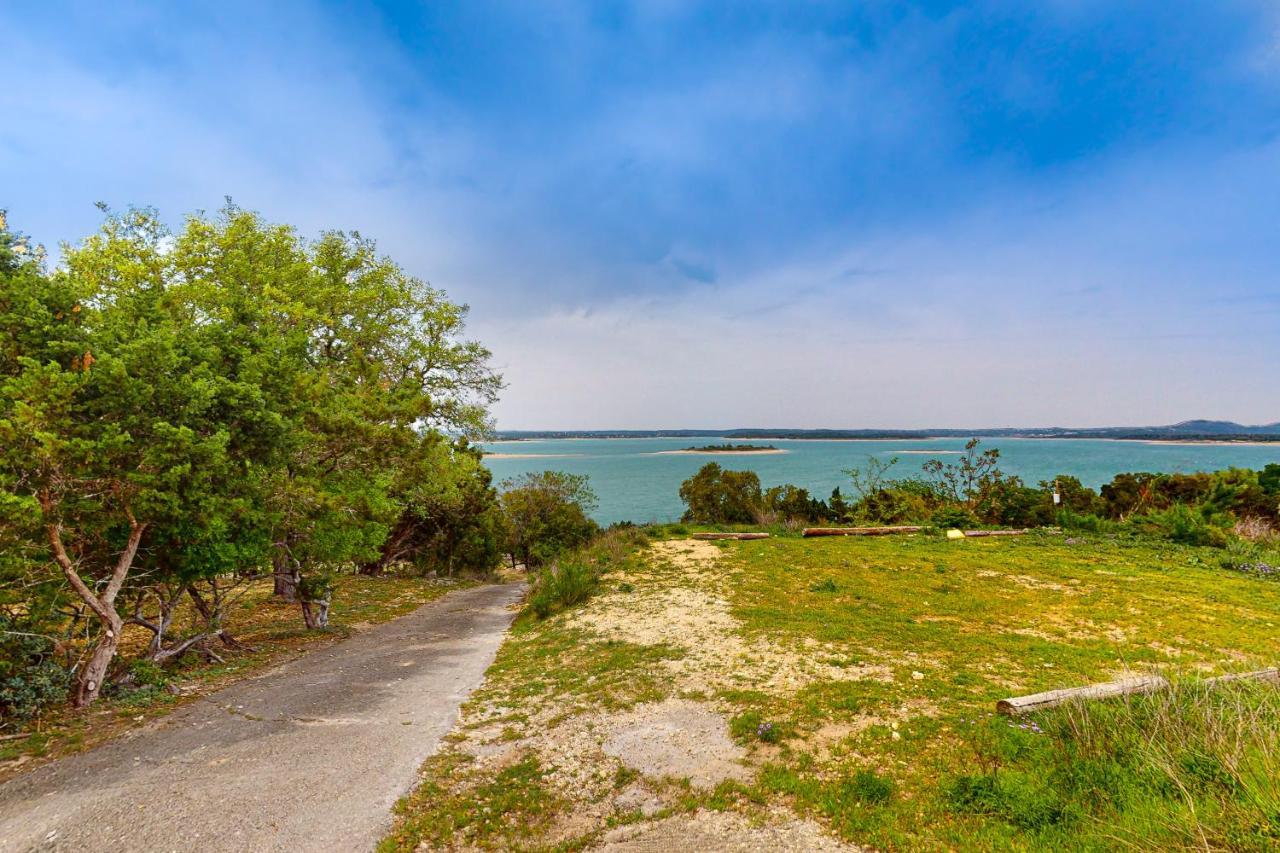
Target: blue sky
{"type": "Point", "coordinates": [725, 214]}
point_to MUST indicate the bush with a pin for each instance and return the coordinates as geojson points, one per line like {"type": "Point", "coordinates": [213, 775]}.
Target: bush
{"type": "Point", "coordinates": [1179, 523]}
{"type": "Point", "coordinates": [575, 577]}
{"type": "Point", "coordinates": [565, 583]}
{"type": "Point", "coordinates": [31, 679]}
{"type": "Point", "coordinates": [949, 517]}
{"type": "Point", "coordinates": [547, 514]}
{"type": "Point", "coordinates": [869, 787]}
{"type": "Point", "coordinates": [716, 496]}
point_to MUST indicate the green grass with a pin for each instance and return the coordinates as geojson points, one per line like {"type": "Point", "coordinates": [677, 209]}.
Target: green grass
{"type": "Point", "coordinates": [911, 756]}
{"type": "Point", "coordinates": [455, 809]}
{"type": "Point", "coordinates": [980, 620]}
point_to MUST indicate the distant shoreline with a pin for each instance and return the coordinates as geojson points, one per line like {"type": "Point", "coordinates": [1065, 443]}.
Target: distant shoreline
{"type": "Point", "coordinates": [1243, 441]}
{"type": "Point", "coordinates": [764, 451]}
{"type": "Point", "coordinates": [488, 455]}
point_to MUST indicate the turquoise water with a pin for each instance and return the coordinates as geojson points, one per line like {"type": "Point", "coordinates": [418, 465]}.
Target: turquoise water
{"type": "Point", "coordinates": [636, 481]}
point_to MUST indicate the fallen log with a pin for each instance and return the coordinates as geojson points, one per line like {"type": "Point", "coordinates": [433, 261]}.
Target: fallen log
{"type": "Point", "coordinates": [731, 536]}
{"type": "Point", "coordinates": [861, 531]}
{"type": "Point", "coordinates": [1122, 687]}
{"type": "Point", "coordinates": [1051, 698]}
{"type": "Point", "coordinates": [976, 533]}
{"type": "Point", "coordinates": [1272, 675]}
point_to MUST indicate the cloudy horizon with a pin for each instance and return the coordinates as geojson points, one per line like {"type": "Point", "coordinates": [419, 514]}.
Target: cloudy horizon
{"type": "Point", "coordinates": [671, 215]}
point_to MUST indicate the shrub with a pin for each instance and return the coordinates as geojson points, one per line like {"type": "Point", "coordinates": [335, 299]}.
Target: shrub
{"type": "Point", "coordinates": [716, 496]}
{"type": "Point", "coordinates": [1179, 523]}
{"type": "Point", "coordinates": [561, 585]}
{"type": "Point", "coordinates": [31, 678]}
{"type": "Point", "coordinates": [869, 787]}
{"type": "Point", "coordinates": [949, 517]}
{"type": "Point", "coordinates": [575, 577]}
{"type": "Point", "coordinates": [547, 514]}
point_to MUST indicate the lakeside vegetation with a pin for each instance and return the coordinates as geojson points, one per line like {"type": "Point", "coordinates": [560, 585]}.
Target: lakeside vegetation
{"type": "Point", "coordinates": [732, 448]}
{"type": "Point", "coordinates": [1236, 509]}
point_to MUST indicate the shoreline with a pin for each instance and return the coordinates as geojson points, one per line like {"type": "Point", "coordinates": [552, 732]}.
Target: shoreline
{"type": "Point", "coordinates": [768, 452]}
{"type": "Point", "coordinates": [488, 455]}
{"type": "Point", "coordinates": [1209, 442]}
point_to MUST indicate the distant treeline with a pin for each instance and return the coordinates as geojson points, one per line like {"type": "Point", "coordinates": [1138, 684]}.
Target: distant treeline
{"type": "Point", "coordinates": [1185, 431]}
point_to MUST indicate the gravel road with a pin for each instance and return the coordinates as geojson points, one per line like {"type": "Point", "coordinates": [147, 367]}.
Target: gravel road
{"type": "Point", "coordinates": [308, 756]}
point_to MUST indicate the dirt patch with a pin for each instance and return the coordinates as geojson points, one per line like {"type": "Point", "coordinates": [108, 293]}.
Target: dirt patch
{"type": "Point", "coordinates": [686, 606]}
{"type": "Point", "coordinates": [680, 739]}
{"type": "Point", "coordinates": [719, 831]}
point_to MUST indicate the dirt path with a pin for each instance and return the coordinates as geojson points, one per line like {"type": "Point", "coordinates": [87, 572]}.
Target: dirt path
{"type": "Point", "coordinates": [309, 756]}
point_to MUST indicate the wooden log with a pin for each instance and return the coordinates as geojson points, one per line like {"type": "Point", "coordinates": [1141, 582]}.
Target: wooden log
{"type": "Point", "coordinates": [861, 531]}
{"type": "Point", "coordinates": [976, 533]}
{"type": "Point", "coordinates": [731, 536]}
{"type": "Point", "coordinates": [1051, 698]}
{"type": "Point", "coordinates": [1272, 675]}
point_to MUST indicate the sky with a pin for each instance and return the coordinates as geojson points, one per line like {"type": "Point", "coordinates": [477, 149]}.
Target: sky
{"type": "Point", "coordinates": [680, 214]}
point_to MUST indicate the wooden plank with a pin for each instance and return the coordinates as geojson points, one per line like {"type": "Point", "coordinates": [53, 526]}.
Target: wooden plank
{"type": "Point", "coordinates": [861, 531]}
{"type": "Point", "coordinates": [731, 536]}
{"type": "Point", "coordinates": [976, 533]}
{"type": "Point", "coordinates": [1051, 698]}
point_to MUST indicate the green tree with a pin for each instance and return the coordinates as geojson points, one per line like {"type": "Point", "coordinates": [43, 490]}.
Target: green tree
{"type": "Point", "coordinates": [115, 416]}
{"type": "Point", "coordinates": [358, 359]}
{"type": "Point", "coordinates": [718, 496]}
{"type": "Point", "coordinates": [966, 480]}
{"type": "Point", "coordinates": [838, 506]}
{"type": "Point", "coordinates": [547, 513]}
{"type": "Point", "coordinates": [450, 518]}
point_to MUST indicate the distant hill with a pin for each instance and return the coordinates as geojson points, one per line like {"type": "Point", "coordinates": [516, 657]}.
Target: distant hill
{"type": "Point", "coordinates": [1193, 430]}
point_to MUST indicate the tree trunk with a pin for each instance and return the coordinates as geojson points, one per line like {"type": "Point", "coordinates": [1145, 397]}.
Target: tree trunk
{"type": "Point", "coordinates": [103, 605]}
{"type": "Point", "coordinates": [315, 614]}
{"type": "Point", "coordinates": [286, 577]}
{"type": "Point", "coordinates": [89, 681]}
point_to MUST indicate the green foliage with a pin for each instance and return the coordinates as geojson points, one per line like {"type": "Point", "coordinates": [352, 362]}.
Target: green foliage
{"type": "Point", "coordinates": [31, 676]}
{"type": "Point", "coordinates": [179, 406]}
{"type": "Point", "coordinates": [967, 479]}
{"type": "Point", "coordinates": [450, 519]}
{"type": "Point", "coordinates": [718, 496]}
{"type": "Point", "coordinates": [1269, 479]}
{"type": "Point", "coordinates": [574, 577]}
{"type": "Point", "coordinates": [871, 788]}
{"type": "Point", "coordinates": [1180, 523]}
{"type": "Point", "coordinates": [547, 514]}
{"type": "Point", "coordinates": [953, 517]}
{"type": "Point", "coordinates": [562, 585]}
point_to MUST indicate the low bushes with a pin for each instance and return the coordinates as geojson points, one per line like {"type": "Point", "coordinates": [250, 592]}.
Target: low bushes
{"type": "Point", "coordinates": [575, 576]}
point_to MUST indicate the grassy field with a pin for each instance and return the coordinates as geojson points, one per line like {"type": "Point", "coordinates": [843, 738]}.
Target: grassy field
{"type": "Point", "coordinates": [272, 629]}
{"type": "Point", "coordinates": [830, 690]}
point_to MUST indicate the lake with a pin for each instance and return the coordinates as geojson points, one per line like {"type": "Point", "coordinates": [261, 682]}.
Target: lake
{"type": "Point", "coordinates": [637, 481]}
